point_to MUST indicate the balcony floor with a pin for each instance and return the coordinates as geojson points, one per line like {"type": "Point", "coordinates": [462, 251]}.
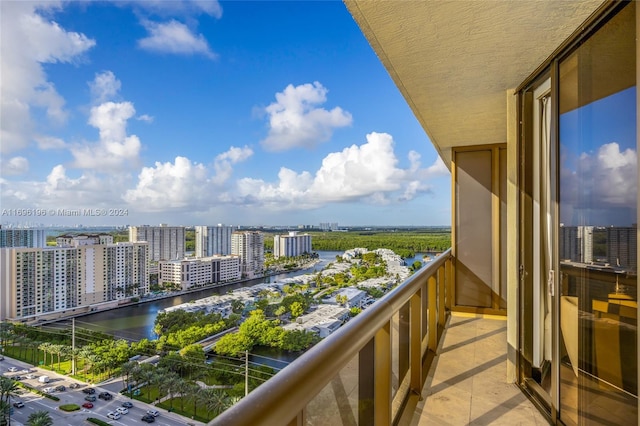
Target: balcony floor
{"type": "Point", "coordinates": [467, 382]}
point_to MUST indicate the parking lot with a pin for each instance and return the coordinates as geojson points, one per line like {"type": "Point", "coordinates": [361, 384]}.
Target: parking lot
{"type": "Point", "coordinates": [101, 401]}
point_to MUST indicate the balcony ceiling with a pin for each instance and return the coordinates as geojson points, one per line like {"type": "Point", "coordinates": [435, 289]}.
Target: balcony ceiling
{"type": "Point", "coordinates": [453, 61]}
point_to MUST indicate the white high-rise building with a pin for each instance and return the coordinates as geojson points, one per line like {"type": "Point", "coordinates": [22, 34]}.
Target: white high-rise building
{"type": "Point", "coordinates": [165, 242]}
{"type": "Point", "coordinates": [576, 243]}
{"type": "Point", "coordinates": [249, 245]}
{"type": "Point", "coordinates": [60, 281]}
{"type": "Point", "coordinates": [189, 273]}
{"type": "Point", "coordinates": [23, 237]}
{"type": "Point", "coordinates": [213, 240]}
{"type": "Point", "coordinates": [291, 245]}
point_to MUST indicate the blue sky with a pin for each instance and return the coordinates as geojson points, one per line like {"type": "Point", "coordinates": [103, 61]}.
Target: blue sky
{"type": "Point", "coordinates": [599, 162]}
{"type": "Point", "coordinates": [198, 112]}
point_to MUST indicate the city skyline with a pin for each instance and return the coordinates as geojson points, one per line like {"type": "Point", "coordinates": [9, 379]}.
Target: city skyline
{"type": "Point", "coordinates": [193, 113]}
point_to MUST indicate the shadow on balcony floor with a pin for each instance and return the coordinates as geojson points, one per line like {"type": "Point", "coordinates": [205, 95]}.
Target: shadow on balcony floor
{"type": "Point", "coordinates": [467, 382]}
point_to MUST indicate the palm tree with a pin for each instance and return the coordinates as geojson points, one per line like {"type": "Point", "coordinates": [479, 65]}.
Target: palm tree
{"type": "Point", "coordinates": [40, 418]}
{"type": "Point", "coordinates": [183, 388]}
{"type": "Point", "coordinates": [194, 394]}
{"type": "Point", "coordinates": [170, 384]}
{"type": "Point", "coordinates": [45, 348]}
{"type": "Point", "coordinates": [216, 401]}
{"type": "Point", "coordinates": [127, 370]}
{"type": "Point", "coordinates": [8, 388]}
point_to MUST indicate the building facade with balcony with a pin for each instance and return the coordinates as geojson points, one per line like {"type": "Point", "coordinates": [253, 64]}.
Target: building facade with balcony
{"type": "Point", "coordinates": [189, 273]}
{"type": "Point", "coordinates": [22, 237]}
{"type": "Point", "coordinates": [165, 242]}
{"type": "Point", "coordinates": [249, 245]}
{"type": "Point", "coordinates": [533, 108]}
{"type": "Point", "coordinates": [213, 240]}
{"type": "Point", "coordinates": [291, 245]}
{"type": "Point", "coordinates": [54, 282]}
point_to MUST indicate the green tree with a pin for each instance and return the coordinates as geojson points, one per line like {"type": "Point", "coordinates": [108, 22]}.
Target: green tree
{"type": "Point", "coordinates": [40, 418]}
{"type": "Point", "coordinates": [296, 309]}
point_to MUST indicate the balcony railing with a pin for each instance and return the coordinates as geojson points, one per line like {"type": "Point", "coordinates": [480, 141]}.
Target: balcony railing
{"type": "Point", "coordinates": [364, 372]}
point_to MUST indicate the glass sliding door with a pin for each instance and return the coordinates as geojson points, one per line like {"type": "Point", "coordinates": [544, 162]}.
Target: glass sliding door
{"type": "Point", "coordinates": [537, 221]}
{"type": "Point", "coordinates": [597, 229]}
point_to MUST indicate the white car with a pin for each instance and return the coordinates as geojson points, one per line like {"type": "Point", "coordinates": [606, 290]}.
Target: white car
{"type": "Point", "coordinates": [113, 415]}
{"type": "Point", "coordinates": [122, 410]}
{"type": "Point", "coordinates": [154, 413]}
{"type": "Point", "coordinates": [13, 369]}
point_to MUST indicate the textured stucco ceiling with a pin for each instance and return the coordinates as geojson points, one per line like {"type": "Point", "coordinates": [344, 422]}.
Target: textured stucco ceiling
{"type": "Point", "coordinates": [454, 60]}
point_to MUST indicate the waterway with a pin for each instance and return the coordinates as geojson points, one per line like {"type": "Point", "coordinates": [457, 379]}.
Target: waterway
{"type": "Point", "coordinates": [135, 322]}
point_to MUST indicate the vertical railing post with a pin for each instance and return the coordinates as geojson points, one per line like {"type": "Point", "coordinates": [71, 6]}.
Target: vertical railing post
{"type": "Point", "coordinates": [448, 283]}
{"type": "Point", "coordinates": [298, 420]}
{"type": "Point", "coordinates": [415, 342]}
{"type": "Point", "coordinates": [382, 387]}
{"type": "Point", "coordinates": [441, 297]}
{"type": "Point", "coordinates": [433, 326]}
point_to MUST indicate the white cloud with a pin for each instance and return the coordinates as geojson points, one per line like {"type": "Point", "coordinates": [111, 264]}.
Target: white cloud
{"type": "Point", "coordinates": [367, 172]}
{"type": "Point", "coordinates": [224, 161]}
{"type": "Point", "coordinates": [60, 191]}
{"type": "Point", "coordinates": [105, 86]}
{"type": "Point", "coordinates": [24, 82]}
{"type": "Point", "coordinates": [14, 166]}
{"type": "Point", "coordinates": [296, 120]}
{"type": "Point", "coordinates": [184, 8]}
{"type": "Point", "coordinates": [176, 38]}
{"type": "Point", "coordinates": [50, 142]}
{"type": "Point", "coordinates": [115, 149]}
{"type": "Point", "coordinates": [145, 117]}
{"type": "Point", "coordinates": [166, 186]}
{"type": "Point", "coordinates": [612, 175]}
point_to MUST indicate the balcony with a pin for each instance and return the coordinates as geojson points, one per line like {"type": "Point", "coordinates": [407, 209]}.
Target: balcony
{"type": "Point", "coordinates": [405, 360]}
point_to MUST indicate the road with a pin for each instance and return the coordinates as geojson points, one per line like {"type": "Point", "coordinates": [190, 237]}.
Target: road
{"type": "Point", "coordinates": [34, 402]}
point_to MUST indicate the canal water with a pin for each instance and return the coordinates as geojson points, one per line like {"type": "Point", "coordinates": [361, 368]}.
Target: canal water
{"type": "Point", "coordinates": [135, 322]}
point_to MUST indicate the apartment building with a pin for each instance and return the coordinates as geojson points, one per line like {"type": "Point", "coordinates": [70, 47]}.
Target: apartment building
{"type": "Point", "coordinates": [622, 247]}
{"type": "Point", "coordinates": [533, 107]}
{"type": "Point", "coordinates": [22, 237]}
{"type": "Point", "coordinates": [75, 240]}
{"type": "Point", "coordinates": [249, 245]}
{"type": "Point", "coordinates": [57, 281]}
{"type": "Point", "coordinates": [189, 273]}
{"type": "Point", "coordinates": [165, 242]}
{"type": "Point", "coordinates": [291, 245]}
{"type": "Point", "coordinates": [213, 240]}
{"type": "Point", "coordinates": [576, 243]}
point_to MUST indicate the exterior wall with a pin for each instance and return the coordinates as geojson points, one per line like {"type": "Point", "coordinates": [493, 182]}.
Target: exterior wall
{"type": "Point", "coordinates": [42, 281]}
{"type": "Point", "coordinates": [165, 242]}
{"type": "Point", "coordinates": [202, 271]}
{"type": "Point", "coordinates": [291, 245]}
{"type": "Point", "coordinates": [23, 238]}
{"type": "Point", "coordinates": [249, 245]}
{"type": "Point", "coordinates": [213, 240]}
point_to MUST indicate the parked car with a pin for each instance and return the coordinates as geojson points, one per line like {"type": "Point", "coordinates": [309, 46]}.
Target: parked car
{"type": "Point", "coordinates": [48, 390]}
{"type": "Point", "coordinates": [18, 404]}
{"type": "Point", "coordinates": [89, 391]}
{"type": "Point", "coordinates": [74, 385]}
{"type": "Point", "coordinates": [12, 369]}
{"type": "Point", "coordinates": [91, 398]}
{"type": "Point", "coordinates": [61, 388]}
{"type": "Point", "coordinates": [105, 395]}
{"type": "Point", "coordinates": [122, 410]}
{"type": "Point", "coordinates": [87, 405]}
{"type": "Point", "coordinates": [148, 418]}
{"type": "Point", "coordinates": [154, 413]}
{"type": "Point", "coordinates": [114, 415]}
{"type": "Point", "coordinates": [1, 358]}
{"type": "Point", "coordinates": [44, 379]}
{"type": "Point", "coordinates": [31, 376]}
{"type": "Point", "coordinates": [127, 404]}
